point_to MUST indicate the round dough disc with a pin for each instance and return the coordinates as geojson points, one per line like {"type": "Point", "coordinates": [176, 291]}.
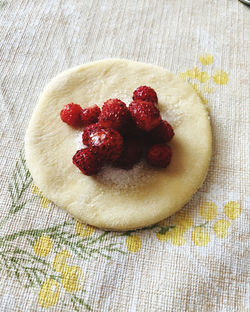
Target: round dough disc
{"type": "Point", "coordinates": [115, 198]}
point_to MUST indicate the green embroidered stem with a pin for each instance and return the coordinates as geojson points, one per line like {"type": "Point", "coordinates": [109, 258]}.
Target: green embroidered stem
{"type": "Point", "coordinates": [85, 247]}
{"type": "Point", "coordinates": [79, 301]}
{"type": "Point", "coordinates": [36, 233]}
{"type": "Point", "coordinates": [21, 181]}
{"type": "Point", "coordinates": [25, 263]}
{"type": "Point", "coordinates": [165, 229]}
{"type": "Point", "coordinates": [5, 219]}
{"type": "Point", "coordinates": [128, 233]}
{"type": "Point", "coordinates": [201, 225]}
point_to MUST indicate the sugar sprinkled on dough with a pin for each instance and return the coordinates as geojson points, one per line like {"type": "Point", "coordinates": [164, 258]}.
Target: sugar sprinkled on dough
{"type": "Point", "coordinates": [118, 177]}
{"type": "Point", "coordinates": [171, 112]}
{"type": "Point", "coordinates": [79, 144]}
{"type": "Point", "coordinates": [122, 178]}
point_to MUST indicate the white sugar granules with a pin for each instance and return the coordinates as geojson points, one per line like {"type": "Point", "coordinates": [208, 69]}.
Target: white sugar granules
{"type": "Point", "coordinates": [79, 144]}
{"type": "Point", "coordinates": [118, 177]}
{"type": "Point", "coordinates": [122, 179]}
{"type": "Point", "coordinates": [171, 112]}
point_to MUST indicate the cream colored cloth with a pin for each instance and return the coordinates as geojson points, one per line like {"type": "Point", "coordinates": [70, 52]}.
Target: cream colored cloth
{"type": "Point", "coordinates": [195, 261]}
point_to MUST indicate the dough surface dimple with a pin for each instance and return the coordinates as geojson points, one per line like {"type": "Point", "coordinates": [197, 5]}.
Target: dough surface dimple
{"type": "Point", "coordinates": [118, 199]}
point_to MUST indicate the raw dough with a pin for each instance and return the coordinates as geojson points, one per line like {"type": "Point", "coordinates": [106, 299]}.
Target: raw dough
{"type": "Point", "coordinates": [118, 199]}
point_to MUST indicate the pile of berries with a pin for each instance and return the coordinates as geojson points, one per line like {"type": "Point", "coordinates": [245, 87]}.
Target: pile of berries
{"type": "Point", "coordinates": [119, 134]}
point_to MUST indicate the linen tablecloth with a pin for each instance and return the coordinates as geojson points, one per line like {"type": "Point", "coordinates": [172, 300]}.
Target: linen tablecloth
{"type": "Point", "coordinates": [196, 260]}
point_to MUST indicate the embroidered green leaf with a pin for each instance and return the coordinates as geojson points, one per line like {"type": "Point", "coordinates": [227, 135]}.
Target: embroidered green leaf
{"type": "Point", "coordinates": [29, 269]}
{"type": "Point", "coordinates": [19, 185]}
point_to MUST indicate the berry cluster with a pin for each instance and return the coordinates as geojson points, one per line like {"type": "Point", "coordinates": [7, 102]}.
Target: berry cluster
{"type": "Point", "coordinates": [119, 134]}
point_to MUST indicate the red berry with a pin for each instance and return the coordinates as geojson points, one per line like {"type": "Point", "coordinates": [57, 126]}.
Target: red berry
{"type": "Point", "coordinates": [88, 132]}
{"type": "Point", "coordinates": [145, 114]}
{"type": "Point", "coordinates": [162, 133]}
{"type": "Point", "coordinates": [114, 114]}
{"type": "Point", "coordinates": [71, 114]}
{"type": "Point", "coordinates": [159, 155]}
{"type": "Point", "coordinates": [131, 154]}
{"type": "Point", "coordinates": [107, 142]}
{"type": "Point", "coordinates": [90, 115]}
{"type": "Point", "coordinates": [145, 93]}
{"type": "Point", "coordinates": [132, 131]}
{"type": "Point", "coordinates": [87, 161]}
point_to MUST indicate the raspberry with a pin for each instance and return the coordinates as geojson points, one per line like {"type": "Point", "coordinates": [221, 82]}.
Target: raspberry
{"type": "Point", "coordinates": [145, 115]}
{"type": "Point", "coordinates": [114, 114]}
{"type": "Point", "coordinates": [145, 93]}
{"type": "Point", "coordinates": [71, 114]}
{"type": "Point", "coordinates": [159, 155]}
{"type": "Point", "coordinates": [88, 131]}
{"type": "Point", "coordinates": [90, 115]}
{"type": "Point", "coordinates": [131, 154]}
{"type": "Point", "coordinates": [107, 142]}
{"type": "Point", "coordinates": [162, 133]}
{"type": "Point", "coordinates": [87, 161]}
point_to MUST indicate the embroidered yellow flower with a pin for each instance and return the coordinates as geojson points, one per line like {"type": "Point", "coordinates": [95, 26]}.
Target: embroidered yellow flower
{"type": "Point", "coordinates": [133, 243]}
{"type": "Point", "coordinates": [208, 89]}
{"type": "Point", "coordinates": [164, 237]}
{"type": "Point", "coordinates": [206, 59]}
{"type": "Point", "coordinates": [220, 77]}
{"type": "Point", "coordinates": [43, 246]}
{"type": "Point", "coordinates": [203, 77]}
{"type": "Point", "coordinates": [84, 230]}
{"type": "Point", "coordinates": [35, 190]}
{"type": "Point", "coordinates": [195, 74]}
{"type": "Point", "coordinates": [72, 278]}
{"type": "Point", "coordinates": [177, 236]}
{"type": "Point", "coordinates": [200, 236]}
{"type": "Point", "coordinates": [198, 91]}
{"type": "Point", "coordinates": [232, 210]}
{"type": "Point", "coordinates": [208, 211]}
{"type": "Point", "coordinates": [195, 87]}
{"type": "Point", "coordinates": [49, 293]}
{"type": "Point", "coordinates": [221, 228]}
{"type": "Point", "coordinates": [183, 75]}
{"type": "Point", "coordinates": [59, 262]}
{"type": "Point", "coordinates": [182, 219]}
{"type": "Point", "coordinates": [44, 201]}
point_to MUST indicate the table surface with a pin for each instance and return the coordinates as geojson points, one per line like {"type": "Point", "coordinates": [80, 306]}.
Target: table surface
{"type": "Point", "coordinates": [48, 261]}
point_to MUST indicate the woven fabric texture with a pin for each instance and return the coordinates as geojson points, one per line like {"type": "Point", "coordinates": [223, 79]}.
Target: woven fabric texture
{"type": "Point", "coordinates": [198, 259]}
